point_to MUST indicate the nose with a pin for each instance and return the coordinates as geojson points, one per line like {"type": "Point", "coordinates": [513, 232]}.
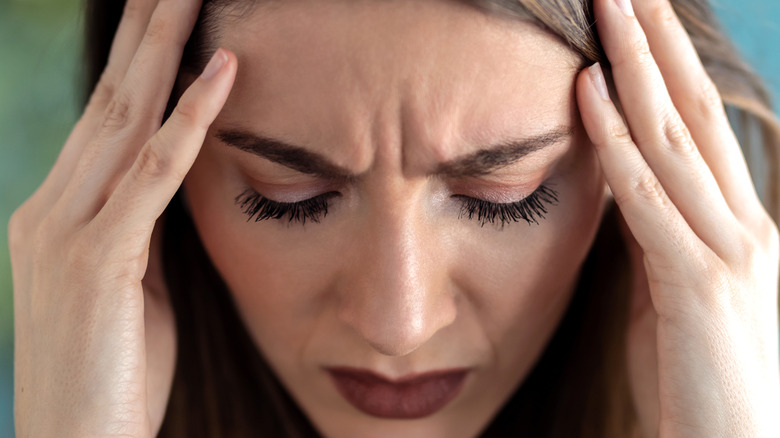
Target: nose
{"type": "Point", "coordinates": [395, 293]}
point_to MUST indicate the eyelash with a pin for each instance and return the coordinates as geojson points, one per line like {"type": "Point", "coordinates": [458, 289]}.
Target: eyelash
{"type": "Point", "coordinates": [261, 208]}
{"type": "Point", "coordinates": [529, 209]}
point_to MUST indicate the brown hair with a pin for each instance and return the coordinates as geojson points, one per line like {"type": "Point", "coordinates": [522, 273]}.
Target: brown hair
{"type": "Point", "coordinates": [579, 388]}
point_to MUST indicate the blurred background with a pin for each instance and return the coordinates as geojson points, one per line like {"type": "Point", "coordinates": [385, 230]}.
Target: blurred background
{"type": "Point", "coordinates": [40, 72]}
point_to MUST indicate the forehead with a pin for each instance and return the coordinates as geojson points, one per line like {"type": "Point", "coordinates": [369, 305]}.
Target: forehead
{"type": "Point", "coordinates": [426, 71]}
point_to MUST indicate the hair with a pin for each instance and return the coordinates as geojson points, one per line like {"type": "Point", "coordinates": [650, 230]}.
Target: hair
{"type": "Point", "coordinates": [579, 387]}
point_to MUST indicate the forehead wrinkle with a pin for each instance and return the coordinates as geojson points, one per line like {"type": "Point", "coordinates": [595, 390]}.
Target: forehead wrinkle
{"type": "Point", "coordinates": [433, 101]}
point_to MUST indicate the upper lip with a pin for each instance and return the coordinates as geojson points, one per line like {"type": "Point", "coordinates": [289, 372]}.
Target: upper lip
{"type": "Point", "coordinates": [405, 379]}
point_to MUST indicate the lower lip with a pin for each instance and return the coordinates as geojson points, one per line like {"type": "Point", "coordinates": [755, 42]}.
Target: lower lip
{"type": "Point", "coordinates": [416, 397]}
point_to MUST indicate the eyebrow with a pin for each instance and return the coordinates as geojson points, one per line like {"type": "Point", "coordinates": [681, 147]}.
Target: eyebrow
{"type": "Point", "coordinates": [481, 162]}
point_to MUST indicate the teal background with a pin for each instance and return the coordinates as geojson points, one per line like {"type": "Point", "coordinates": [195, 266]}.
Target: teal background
{"type": "Point", "coordinates": [39, 70]}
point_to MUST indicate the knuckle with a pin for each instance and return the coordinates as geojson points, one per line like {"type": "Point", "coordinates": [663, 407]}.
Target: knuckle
{"type": "Point", "coordinates": [43, 238]}
{"type": "Point", "coordinates": [151, 163]}
{"type": "Point", "coordinates": [118, 112]}
{"type": "Point", "coordinates": [647, 188]}
{"type": "Point", "coordinates": [677, 137]}
{"type": "Point", "coordinates": [619, 133]}
{"type": "Point", "coordinates": [755, 246]}
{"type": "Point", "coordinates": [23, 228]}
{"type": "Point", "coordinates": [188, 112]}
{"type": "Point", "coordinates": [631, 50]}
{"type": "Point", "coordinates": [641, 51]}
{"type": "Point", "coordinates": [745, 248]}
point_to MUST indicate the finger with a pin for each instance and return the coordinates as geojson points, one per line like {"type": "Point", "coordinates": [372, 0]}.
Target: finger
{"type": "Point", "coordinates": [129, 34]}
{"type": "Point", "coordinates": [135, 111]}
{"type": "Point", "coordinates": [144, 91]}
{"type": "Point", "coordinates": [130, 31]}
{"type": "Point", "coordinates": [660, 133]}
{"type": "Point", "coordinates": [653, 219]}
{"type": "Point", "coordinates": [699, 103]}
{"type": "Point", "coordinates": [147, 188]}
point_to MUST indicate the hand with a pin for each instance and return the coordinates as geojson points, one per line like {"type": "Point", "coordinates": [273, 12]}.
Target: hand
{"type": "Point", "coordinates": [703, 336]}
{"type": "Point", "coordinates": [95, 337]}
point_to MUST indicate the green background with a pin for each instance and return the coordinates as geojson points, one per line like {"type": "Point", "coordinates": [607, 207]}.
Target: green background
{"type": "Point", "coordinates": [40, 71]}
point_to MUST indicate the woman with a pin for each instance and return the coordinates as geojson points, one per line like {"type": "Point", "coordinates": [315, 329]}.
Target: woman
{"type": "Point", "coordinates": [398, 220]}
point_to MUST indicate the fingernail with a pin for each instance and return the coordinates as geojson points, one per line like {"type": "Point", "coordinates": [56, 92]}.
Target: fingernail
{"type": "Point", "coordinates": [626, 7]}
{"type": "Point", "coordinates": [597, 76]}
{"type": "Point", "coordinates": [215, 65]}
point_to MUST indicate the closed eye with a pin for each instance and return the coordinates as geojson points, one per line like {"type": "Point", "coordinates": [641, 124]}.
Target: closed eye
{"type": "Point", "coordinates": [529, 209]}
{"type": "Point", "coordinates": [259, 208]}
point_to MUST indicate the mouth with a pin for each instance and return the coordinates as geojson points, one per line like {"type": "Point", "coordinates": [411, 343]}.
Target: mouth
{"type": "Point", "coordinates": [410, 397]}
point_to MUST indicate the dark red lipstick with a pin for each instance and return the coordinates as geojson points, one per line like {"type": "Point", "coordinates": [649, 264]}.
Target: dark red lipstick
{"type": "Point", "coordinates": [410, 397]}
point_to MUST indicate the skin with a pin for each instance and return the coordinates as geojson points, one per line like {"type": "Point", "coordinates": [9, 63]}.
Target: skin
{"type": "Point", "coordinates": [94, 336]}
{"type": "Point", "coordinates": [392, 279]}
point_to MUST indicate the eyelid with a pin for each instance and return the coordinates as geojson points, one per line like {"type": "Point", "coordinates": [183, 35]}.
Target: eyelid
{"type": "Point", "coordinates": [503, 192]}
{"type": "Point", "coordinates": [290, 192]}
{"type": "Point", "coordinates": [506, 196]}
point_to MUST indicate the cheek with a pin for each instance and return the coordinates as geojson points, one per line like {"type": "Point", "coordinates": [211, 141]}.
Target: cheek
{"type": "Point", "coordinates": [273, 270]}
{"type": "Point", "coordinates": [520, 280]}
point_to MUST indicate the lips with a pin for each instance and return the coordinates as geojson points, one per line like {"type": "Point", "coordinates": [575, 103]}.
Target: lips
{"type": "Point", "coordinates": [407, 398]}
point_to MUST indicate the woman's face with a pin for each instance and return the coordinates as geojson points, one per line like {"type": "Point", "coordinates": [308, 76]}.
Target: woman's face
{"type": "Point", "coordinates": [408, 303]}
